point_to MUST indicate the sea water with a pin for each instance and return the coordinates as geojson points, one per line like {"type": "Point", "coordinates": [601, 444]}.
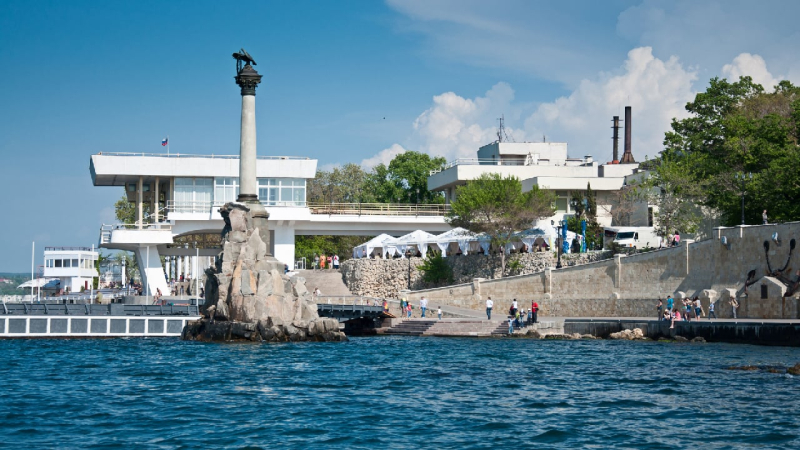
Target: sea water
{"type": "Point", "coordinates": [395, 392]}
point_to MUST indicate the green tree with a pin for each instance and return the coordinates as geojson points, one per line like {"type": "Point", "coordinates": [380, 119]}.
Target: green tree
{"type": "Point", "coordinates": [733, 129]}
{"type": "Point", "coordinates": [497, 207]}
{"type": "Point", "coordinates": [435, 269]}
{"type": "Point", "coordinates": [586, 209]}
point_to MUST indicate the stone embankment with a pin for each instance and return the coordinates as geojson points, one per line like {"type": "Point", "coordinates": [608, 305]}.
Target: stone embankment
{"type": "Point", "coordinates": [384, 278]}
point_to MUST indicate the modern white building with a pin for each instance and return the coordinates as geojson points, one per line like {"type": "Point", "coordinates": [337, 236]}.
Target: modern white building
{"type": "Point", "coordinates": [184, 193]}
{"type": "Point", "coordinates": [542, 164]}
{"type": "Point", "coordinates": [74, 267]}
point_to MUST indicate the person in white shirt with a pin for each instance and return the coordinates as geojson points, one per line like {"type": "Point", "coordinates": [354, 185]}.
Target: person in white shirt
{"type": "Point", "coordinates": [489, 305]}
{"type": "Point", "coordinates": [423, 305]}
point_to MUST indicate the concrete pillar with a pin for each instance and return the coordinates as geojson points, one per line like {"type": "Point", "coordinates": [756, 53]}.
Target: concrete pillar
{"type": "Point", "coordinates": [151, 270]}
{"type": "Point", "coordinates": [248, 79]}
{"type": "Point", "coordinates": [139, 202]}
{"type": "Point", "coordinates": [179, 268]}
{"type": "Point", "coordinates": [168, 266]}
{"type": "Point", "coordinates": [284, 244]}
{"type": "Point", "coordinates": [247, 148]}
{"type": "Point", "coordinates": [155, 199]}
{"type": "Point", "coordinates": [618, 272]}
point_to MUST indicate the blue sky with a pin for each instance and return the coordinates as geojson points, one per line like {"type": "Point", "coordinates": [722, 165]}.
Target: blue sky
{"type": "Point", "coordinates": [81, 77]}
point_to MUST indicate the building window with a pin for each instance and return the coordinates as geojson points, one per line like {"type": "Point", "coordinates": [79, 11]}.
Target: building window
{"type": "Point", "coordinates": [75, 263]}
{"type": "Point", "coordinates": [226, 189]}
{"type": "Point", "coordinates": [282, 191]}
{"type": "Point", "coordinates": [562, 202]}
{"type": "Point", "coordinates": [650, 216]}
{"type": "Point", "coordinates": [193, 194]}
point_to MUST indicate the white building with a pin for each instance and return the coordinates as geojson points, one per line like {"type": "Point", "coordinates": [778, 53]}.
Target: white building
{"type": "Point", "coordinates": [184, 193]}
{"type": "Point", "coordinates": [542, 164]}
{"type": "Point", "coordinates": [74, 267]}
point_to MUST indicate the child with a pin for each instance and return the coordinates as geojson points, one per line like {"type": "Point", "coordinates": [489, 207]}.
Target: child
{"type": "Point", "coordinates": [440, 313]}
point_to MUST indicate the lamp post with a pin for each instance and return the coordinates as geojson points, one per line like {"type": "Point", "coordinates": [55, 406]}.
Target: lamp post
{"type": "Point", "coordinates": [743, 178]}
{"type": "Point", "coordinates": [558, 230]}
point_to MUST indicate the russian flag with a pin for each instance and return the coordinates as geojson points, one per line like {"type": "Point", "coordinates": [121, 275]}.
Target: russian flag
{"type": "Point", "coordinates": [164, 142]}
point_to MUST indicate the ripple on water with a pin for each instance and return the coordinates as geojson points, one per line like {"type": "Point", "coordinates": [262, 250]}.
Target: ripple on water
{"type": "Point", "coordinates": [394, 392]}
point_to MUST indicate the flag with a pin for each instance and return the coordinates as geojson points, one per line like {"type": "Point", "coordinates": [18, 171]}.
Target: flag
{"type": "Point", "coordinates": [164, 142]}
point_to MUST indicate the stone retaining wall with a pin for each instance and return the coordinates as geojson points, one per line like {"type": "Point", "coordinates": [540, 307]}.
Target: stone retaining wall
{"type": "Point", "coordinates": [384, 278]}
{"type": "Point", "coordinates": [714, 270]}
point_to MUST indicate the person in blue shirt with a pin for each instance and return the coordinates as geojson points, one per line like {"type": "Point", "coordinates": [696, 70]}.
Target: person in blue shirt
{"type": "Point", "coordinates": [670, 302]}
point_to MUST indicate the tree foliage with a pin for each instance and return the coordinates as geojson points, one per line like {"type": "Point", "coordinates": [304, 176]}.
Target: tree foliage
{"type": "Point", "coordinates": [734, 128]}
{"type": "Point", "coordinates": [497, 207]}
{"type": "Point", "coordinates": [585, 207]}
{"type": "Point", "coordinates": [404, 180]}
{"type": "Point", "coordinates": [435, 269]}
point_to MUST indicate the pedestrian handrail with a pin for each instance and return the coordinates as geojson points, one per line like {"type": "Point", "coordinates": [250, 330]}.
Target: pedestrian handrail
{"type": "Point", "coordinates": [380, 209]}
{"type": "Point", "coordinates": [114, 309]}
{"type": "Point", "coordinates": [189, 155]}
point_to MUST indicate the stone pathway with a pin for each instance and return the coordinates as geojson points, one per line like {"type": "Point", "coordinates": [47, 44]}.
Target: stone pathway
{"type": "Point", "coordinates": [328, 281]}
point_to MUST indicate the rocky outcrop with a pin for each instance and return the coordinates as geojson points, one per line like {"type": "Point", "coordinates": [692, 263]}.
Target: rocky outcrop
{"type": "Point", "coordinates": [248, 297]}
{"type": "Point", "coordinates": [384, 278]}
{"type": "Point", "coordinates": [628, 335]}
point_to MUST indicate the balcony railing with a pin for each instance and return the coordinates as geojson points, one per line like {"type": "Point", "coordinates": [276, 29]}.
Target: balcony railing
{"type": "Point", "coordinates": [107, 229]}
{"type": "Point", "coordinates": [209, 207]}
{"type": "Point", "coordinates": [378, 209]}
{"type": "Point", "coordinates": [185, 155]}
{"type": "Point", "coordinates": [510, 162]}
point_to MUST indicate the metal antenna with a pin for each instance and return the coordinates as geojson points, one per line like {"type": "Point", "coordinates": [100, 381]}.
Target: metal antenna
{"type": "Point", "coordinates": [501, 132]}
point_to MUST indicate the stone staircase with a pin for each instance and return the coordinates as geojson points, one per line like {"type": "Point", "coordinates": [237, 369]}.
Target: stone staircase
{"type": "Point", "coordinates": [468, 328]}
{"type": "Point", "coordinates": [412, 327]}
{"type": "Point", "coordinates": [449, 327]}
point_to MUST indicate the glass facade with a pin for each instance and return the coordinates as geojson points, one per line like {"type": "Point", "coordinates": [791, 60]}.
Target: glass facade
{"type": "Point", "coordinates": [200, 194]}
{"type": "Point", "coordinates": [282, 191]}
{"type": "Point", "coordinates": [193, 194]}
{"type": "Point", "coordinates": [226, 189]}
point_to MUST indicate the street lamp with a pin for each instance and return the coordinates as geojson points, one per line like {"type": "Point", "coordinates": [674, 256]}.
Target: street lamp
{"type": "Point", "coordinates": [558, 240]}
{"type": "Point", "coordinates": [743, 178]}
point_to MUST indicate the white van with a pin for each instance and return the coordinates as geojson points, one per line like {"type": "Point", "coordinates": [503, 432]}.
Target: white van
{"type": "Point", "coordinates": [638, 237]}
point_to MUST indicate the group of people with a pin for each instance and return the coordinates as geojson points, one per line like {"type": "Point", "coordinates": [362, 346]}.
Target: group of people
{"type": "Point", "coordinates": [322, 261]}
{"type": "Point", "coordinates": [673, 240]}
{"type": "Point", "coordinates": [517, 317]}
{"type": "Point", "coordinates": [688, 309]}
{"type": "Point", "coordinates": [406, 308]}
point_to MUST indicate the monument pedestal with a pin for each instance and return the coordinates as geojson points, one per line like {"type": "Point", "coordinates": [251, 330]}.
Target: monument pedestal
{"type": "Point", "coordinates": [248, 297]}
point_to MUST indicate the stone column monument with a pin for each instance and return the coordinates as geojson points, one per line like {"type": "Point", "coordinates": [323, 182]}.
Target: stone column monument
{"type": "Point", "coordinates": [247, 295]}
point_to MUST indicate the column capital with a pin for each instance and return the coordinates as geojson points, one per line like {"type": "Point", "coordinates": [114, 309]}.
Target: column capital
{"type": "Point", "coordinates": [248, 79]}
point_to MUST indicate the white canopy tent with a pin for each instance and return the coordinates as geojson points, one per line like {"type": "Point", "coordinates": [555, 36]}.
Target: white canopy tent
{"type": "Point", "coordinates": [382, 242]}
{"type": "Point", "coordinates": [418, 239]}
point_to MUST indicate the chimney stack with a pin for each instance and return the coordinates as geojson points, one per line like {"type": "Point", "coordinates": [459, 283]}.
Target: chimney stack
{"type": "Point", "coordinates": [615, 138]}
{"type": "Point", "coordinates": [627, 157]}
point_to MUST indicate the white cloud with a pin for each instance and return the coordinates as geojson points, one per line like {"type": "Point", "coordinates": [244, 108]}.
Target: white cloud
{"type": "Point", "coordinates": [711, 33]}
{"type": "Point", "coordinates": [656, 90]}
{"type": "Point", "coordinates": [385, 156]}
{"type": "Point", "coordinates": [454, 127]}
{"type": "Point", "coordinates": [753, 65]}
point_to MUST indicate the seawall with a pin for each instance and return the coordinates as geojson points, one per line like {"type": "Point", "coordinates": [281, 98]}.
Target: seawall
{"type": "Point", "coordinates": [715, 270]}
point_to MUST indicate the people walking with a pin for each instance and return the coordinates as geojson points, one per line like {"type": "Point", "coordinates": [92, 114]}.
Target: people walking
{"type": "Point", "coordinates": [440, 313]}
{"type": "Point", "coordinates": [510, 326]}
{"type": "Point", "coordinates": [336, 262]}
{"type": "Point", "coordinates": [423, 305]}
{"type": "Point", "coordinates": [734, 306]}
{"type": "Point", "coordinates": [535, 310]}
{"type": "Point", "coordinates": [316, 261]}
{"type": "Point", "coordinates": [711, 311]}
{"type": "Point", "coordinates": [489, 305]}
{"type": "Point", "coordinates": [764, 217]}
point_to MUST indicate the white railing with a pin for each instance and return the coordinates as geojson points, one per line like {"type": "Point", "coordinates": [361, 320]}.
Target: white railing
{"type": "Point", "coordinates": [211, 207]}
{"type": "Point", "coordinates": [378, 209]}
{"type": "Point", "coordinates": [107, 229]}
{"type": "Point", "coordinates": [509, 162]}
{"type": "Point", "coordinates": [186, 155]}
